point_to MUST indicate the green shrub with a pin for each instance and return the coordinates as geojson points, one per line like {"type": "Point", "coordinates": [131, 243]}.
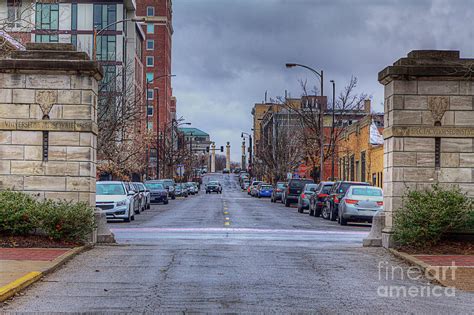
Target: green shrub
{"type": "Point", "coordinates": [17, 213]}
{"type": "Point", "coordinates": [427, 216]}
{"type": "Point", "coordinates": [65, 220]}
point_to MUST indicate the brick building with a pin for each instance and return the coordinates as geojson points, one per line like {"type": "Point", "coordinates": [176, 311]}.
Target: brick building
{"type": "Point", "coordinates": [158, 30]}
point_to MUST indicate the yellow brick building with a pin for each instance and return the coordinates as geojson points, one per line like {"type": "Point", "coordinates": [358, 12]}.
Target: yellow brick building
{"type": "Point", "coordinates": [358, 159]}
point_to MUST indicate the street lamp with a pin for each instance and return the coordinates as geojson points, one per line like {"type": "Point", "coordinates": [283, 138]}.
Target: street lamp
{"type": "Point", "coordinates": [320, 76]}
{"type": "Point", "coordinates": [98, 32]}
{"type": "Point", "coordinates": [179, 122]}
{"type": "Point", "coordinates": [333, 138]}
{"type": "Point", "coordinates": [148, 82]}
{"type": "Point", "coordinates": [243, 135]}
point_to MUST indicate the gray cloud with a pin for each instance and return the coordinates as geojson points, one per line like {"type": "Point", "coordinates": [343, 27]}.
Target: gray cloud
{"type": "Point", "coordinates": [227, 53]}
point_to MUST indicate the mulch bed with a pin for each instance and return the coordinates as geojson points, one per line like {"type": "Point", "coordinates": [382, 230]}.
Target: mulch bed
{"type": "Point", "coordinates": [444, 248]}
{"type": "Point", "coordinates": [33, 241]}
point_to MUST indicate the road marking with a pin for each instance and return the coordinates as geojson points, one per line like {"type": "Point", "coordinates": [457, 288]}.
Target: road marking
{"type": "Point", "coordinates": [226, 223]}
{"type": "Point", "coordinates": [225, 208]}
{"type": "Point", "coordinates": [227, 218]}
{"type": "Point", "coordinates": [226, 212]}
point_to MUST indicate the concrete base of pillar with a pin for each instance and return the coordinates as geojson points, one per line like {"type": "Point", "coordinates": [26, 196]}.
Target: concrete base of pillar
{"type": "Point", "coordinates": [374, 239]}
{"type": "Point", "coordinates": [104, 235]}
{"type": "Point", "coordinates": [388, 240]}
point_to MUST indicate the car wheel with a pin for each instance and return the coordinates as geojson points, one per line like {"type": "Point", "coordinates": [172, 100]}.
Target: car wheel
{"type": "Point", "coordinates": [311, 211]}
{"type": "Point", "coordinates": [325, 213]}
{"type": "Point", "coordinates": [165, 202]}
{"type": "Point", "coordinates": [332, 215]}
{"type": "Point", "coordinates": [287, 203]}
{"type": "Point", "coordinates": [317, 212]}
{"type": "Point", "coordinates": [300, 208]}
{"type": "Point", "coordinates": [133, 217]}
{"type": "Point", "coordinates": [128, 218]}
{"type": "Point", "coordinates": [148, 206]}
{"type": "Point", "coordinates": [173, 197]}
{"type": "Point", "coordinates": [259, 196]}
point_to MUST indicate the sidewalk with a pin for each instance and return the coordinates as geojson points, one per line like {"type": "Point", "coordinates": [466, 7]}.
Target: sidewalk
{"type": "Point", "coordinates": [449, 270]}
{"type": "Point", "coordinates": [20, 267]}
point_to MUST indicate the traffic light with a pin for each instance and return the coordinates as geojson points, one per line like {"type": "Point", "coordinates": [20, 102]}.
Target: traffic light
{"type": "Point", "coordinates": [222, 148]}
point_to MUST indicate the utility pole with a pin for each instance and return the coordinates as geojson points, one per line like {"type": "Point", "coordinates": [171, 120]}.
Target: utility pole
{"type": "Point", "coordinates": [333, 139]}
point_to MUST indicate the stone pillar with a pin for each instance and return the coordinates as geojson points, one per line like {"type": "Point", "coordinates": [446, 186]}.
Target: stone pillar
{"type": "Point", "coordinates": [213, 157]}
{"type": "Point", "coordinates": [227, 156]}
{"type": "Point", "coordinates": [429, 132]}
{"type": "Point", "coordinates": [48, 122]}
{"type": "Point", "coordinates": [243, 156]}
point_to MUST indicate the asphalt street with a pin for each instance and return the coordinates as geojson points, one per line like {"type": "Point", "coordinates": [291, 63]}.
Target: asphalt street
{"type": "Point", "coordinates": [233, 253]}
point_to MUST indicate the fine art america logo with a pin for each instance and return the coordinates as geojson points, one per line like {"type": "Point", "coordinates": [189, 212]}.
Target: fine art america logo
{"type": "Point", "coordinates": [407, 282]}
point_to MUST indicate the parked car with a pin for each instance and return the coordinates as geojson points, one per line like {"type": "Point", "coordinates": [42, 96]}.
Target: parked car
{"type": "Point", "coordinates": [318, 199]}
{"type": "Point", "coordinates": [196, 187]}
{"type": "Point", "coordinates": [114, 198]}
{"type": "Point", "coordinates": [251, 187]}
{"type": "Point", "coordinates": [277, 191]}
{"type": "Point", "coordinates": [180, 190]}
{"type": "Point", "coordinates": [294, 189]}
{"type": "Point", "coordinates": [264, 190]}
{"type": "Point", "coordinates": [170, 186]}
{"type": "Point", "coordinates": [245, 185]}
{"type": "Point", "coordinates": [213, 186]}
{"type": "Point", "coordinates": [303, 198]}
{"type": "Point", "coordinates": [237, 170]}
{"type": "Point", "coordinates": [360, 203]}
{"type": "Point", "coordinates": [338, 190]}
{"type": "Point", "coordinates": [226, 171]}
{"type": "Point", "coordinates": [158, 192]}
{"type": "Point", "coordinates": [144, 195]}
{"type": "Point", "coordinates": [136, 196]}
{"type": "Point", "coordinates": [191, 188]}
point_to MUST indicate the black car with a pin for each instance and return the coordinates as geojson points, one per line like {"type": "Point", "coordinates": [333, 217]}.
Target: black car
{"type": "Point", "coordinates": [294, 189]}
{"type": "Point", "coordinates": [213, 187]}
{"type": "Point", "coordinates": [317, 201]}
{"type": "Point", "coordinates": [158, 192]}
{"type": "Point", "coordinates": [169, 186]}
{"type": "Point", "coordinates": [338, 190]}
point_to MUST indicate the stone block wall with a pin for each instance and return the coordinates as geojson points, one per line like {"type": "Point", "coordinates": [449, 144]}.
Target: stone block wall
{"type": "Point", "coordinates": [427, 96]}
{"type": "Point", "coordinates": [69, 171]}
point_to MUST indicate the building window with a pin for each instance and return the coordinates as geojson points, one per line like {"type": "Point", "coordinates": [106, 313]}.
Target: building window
{"type": "Point", "coordinates": [14, 13]}
{"type": "Point", "coordinates": [149, 77]}
{"type": "Point", "coordinates": [362, 166]}
{"type": "Point", "coordinates": [150, 11]}
{"type": "Point", "coordinates": [149, 61]}
{"type": "Point", "coordinates": [149, 111]}
{"type": "Point", "coordinates": [109, 79]}
{"type": "Point", "coordinates": [352, 171]}
{"type": "Point", "coordinates": [374, 179]}
{"type": "Point", "coordinates": [150, 28]}
{"type": "Point", "coordinates": [150, 44]}
{"type": "Point", "coordinates": [106, 45]}
{"type": "Point", "coordinates": [150, 125]}
{"type": "Point", "coordinates": [105, 14]}
{"type": "Point", "coordinates": [74, 16]}
{"type": "Point", "coordinates": [74, 40]}
{"type": "Point", "coordinates": [149, 94]}
{"type": "Point", "coordinates": [47, 19]}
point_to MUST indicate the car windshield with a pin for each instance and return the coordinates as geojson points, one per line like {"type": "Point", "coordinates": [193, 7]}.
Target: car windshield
{"type": "Point", "coordinates": [311, 187]}
{"type": "Point", "coordinates": [266, 187]}
{"type": "Point", "coordinates": [367, 191]}
{"type": "Point", "coordinates": [280, 185]}
{"type": "Point", "coordinates": [154, 186]}
{"type": "Point", "coordinates": [213, 183]}
{"type": "Point", "coordinates": [299, 183]}
{"type": "Point", "coordinates": [110, 189]}
{"type": "Point", "coordinates": [326, 189]}
{"type": "Point", "coordinates": [345, 186]}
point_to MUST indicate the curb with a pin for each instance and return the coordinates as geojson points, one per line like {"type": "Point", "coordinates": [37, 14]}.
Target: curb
{"type": "Point", "coordinates": [416, 262]}
{"type": "Point", "coordinates": [9, 290]}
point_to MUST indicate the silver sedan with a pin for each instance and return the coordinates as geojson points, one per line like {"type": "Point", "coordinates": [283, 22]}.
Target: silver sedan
{"type": "Point", "coordinates": [360, 203]}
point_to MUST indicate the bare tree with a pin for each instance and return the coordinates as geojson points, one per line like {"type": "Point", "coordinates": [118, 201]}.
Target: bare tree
{"type": "Point", "coordinates": [311, 112]}
{"type": "Point", "coordinates": [280, 149]}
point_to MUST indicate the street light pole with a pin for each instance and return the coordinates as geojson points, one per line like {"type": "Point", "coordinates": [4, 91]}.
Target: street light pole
{"type": "Point", "coordinates": [320, 75]}
{"type": "Point", "coordinates": [333, 138]}
{"type": "Point", "coordinates": [250, 150]}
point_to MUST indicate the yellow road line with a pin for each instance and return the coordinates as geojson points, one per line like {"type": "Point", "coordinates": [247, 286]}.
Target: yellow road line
{"type": "Point", "coordinates": [225, 212]}
{"type": "Point", "coordinates": [226, 223]}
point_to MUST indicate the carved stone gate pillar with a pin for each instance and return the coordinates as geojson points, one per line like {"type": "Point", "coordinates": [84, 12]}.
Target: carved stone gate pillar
{"type": "Point", "coordinates": [429, 126]}
{"type": "Point", "coordinates": [48, 122]}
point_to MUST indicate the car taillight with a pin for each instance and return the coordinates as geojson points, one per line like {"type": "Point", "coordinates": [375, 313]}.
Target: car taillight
{"type": "Point", "coordinates": [303, 196]}
{"type": "Point", "coordinates": [379, 203]}
{"type": "Point", "coordinates": [336, 200]}
{"type": "Point", "coordinates": [322, 195]}
{"type": "Point", "coordinates": [278, 190]}
{"type": "Point", "coordinates": [351, 201]}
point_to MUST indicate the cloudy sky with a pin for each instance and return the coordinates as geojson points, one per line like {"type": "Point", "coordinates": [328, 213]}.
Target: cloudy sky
{"type": "Point", "coordinates": [227, 53]}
